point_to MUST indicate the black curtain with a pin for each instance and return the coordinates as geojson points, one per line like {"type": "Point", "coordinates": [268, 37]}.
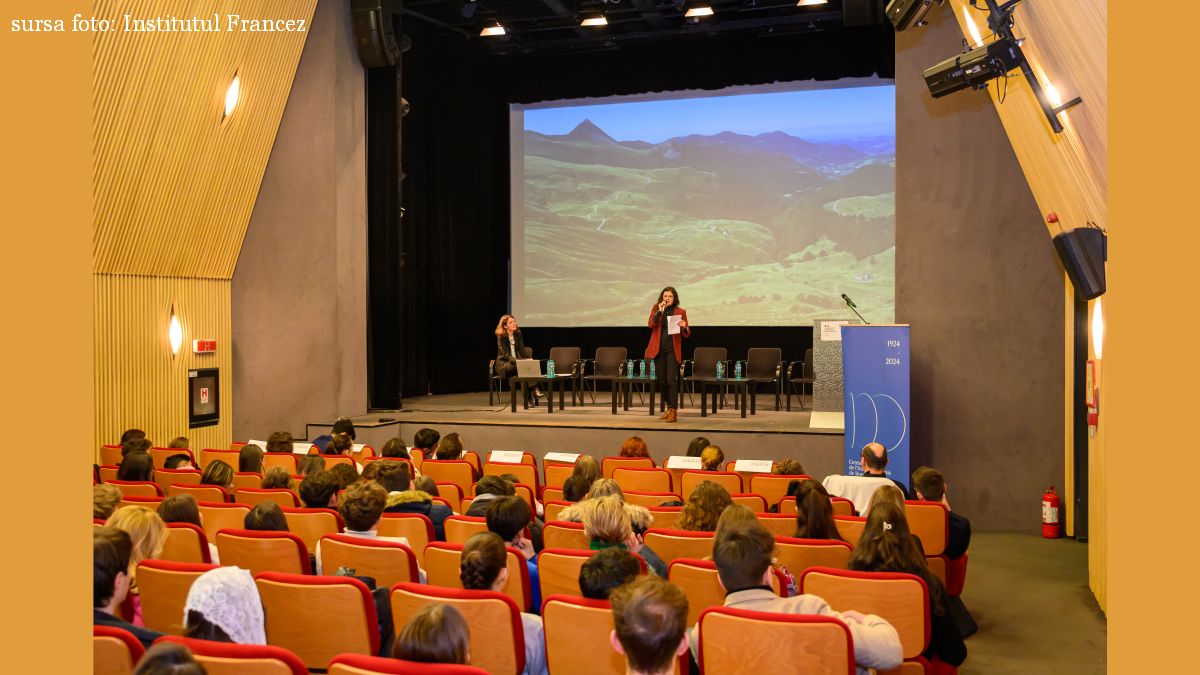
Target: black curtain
{"type": "Point", "coordinates": [454, 283]}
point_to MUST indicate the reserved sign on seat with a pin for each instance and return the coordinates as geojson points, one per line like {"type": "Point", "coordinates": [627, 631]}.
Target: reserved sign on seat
{"type": "Point", "coordinates": [506, 456]}
{"type": "Point", "coordinates": [564, 457]}
{"type": "Point", "coordinates": [754, 465]}
{"type": "Point", "coordinates": [684, 462]}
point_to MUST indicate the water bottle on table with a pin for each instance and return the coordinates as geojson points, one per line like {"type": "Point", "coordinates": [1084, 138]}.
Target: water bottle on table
{"type": "Point", "coordinates": [629, 368]}
{"type": "Point", "coordinates": [652, 375]}
{"type": "Point", "coordinates": [737, 373]}
{"type": "Point", "coordinates": [549, 367]}
{"type": "Point", "coordinates": [720, 370]}
{"type": "Point", "coordinates": [642, 368]}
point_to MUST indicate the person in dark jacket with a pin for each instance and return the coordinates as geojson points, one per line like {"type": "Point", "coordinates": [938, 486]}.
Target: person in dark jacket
{"type": "Point", "coordinates": [394, 478]}
{"type": "Point", "coordinates": [111, 549]}
{"type": "Point", "coordinates": [930, 486]}
{"type": "Point", "coordinates": [510, 346]}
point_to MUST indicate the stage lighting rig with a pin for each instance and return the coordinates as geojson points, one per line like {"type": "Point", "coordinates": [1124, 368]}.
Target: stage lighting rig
{"type": "Point", "coordinates": [976, 67]}
{"type": "Point", "coordinates": [908, 13]}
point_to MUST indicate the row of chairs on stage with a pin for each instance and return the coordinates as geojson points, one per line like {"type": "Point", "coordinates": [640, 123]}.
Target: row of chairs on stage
{"type": "Point", "coordinates": [298, 607]}
{"type": "Point", "coordinates": [762, 365]}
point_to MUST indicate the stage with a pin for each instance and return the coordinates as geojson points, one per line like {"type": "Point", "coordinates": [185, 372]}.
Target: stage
{"type": "Point", "coordinates": [592, 428]}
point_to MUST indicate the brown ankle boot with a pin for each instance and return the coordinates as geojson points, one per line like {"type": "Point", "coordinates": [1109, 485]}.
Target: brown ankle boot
{"type": "Point", "coordinates": [671, 415]}
{"type": "Point", "coordinates": [665, 414]}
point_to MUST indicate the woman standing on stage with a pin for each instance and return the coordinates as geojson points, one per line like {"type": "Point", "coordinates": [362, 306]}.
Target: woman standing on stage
{"type": "Point", "coordinates": [510, 346]}
{"type": "Point", "coordinates": [666, 348]}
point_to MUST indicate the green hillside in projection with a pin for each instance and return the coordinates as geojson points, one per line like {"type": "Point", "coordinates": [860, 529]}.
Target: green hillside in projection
{"type": "Point", "coordinates": [753, 230]}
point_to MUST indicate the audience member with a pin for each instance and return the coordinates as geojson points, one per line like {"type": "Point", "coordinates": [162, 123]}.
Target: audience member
{"type": "Point", "coordinates": [137, 466]}
{"type": "Point", "coordinates": [575, 488]}
{"type": "Point", "coordinates": [787, 467]}
{"type": "Point", "coordinates": [168, 658]}
{"type": "Point", "coordinates": [181, 442]}
{"type": "Point", "coordinates": [111, 551]}
{"type": "Point", "coordinates": [394, 448]}
{"type": "Point", "coordinates": [704, 507]}
{"type": "Point", "coordinates": [607, 524]}
{"type": "Point", "coordinates": [310, 464]}
{"type": "Point", "coordinates": [436, 633]}
{"type": "Point", "coordinates": [394, 478]}
{"type": "Point", "coordinates": [148, 533]}
{"type": "Point", "coordinates": [588, 470]}
{"type": "Point", "coordinates": [105, 498]}
{"type": "Point", "coordinates": [487, 490]}
{"type": "Point", "coordinates": [426, 440]}
{"type": "Point", "coordinates": [606, 570]}
{"type": "Point", "coordinates": [874, 464]}
{"type": "Point", "coordinates": [450, 447]}
{"type": "Point", "coordinates": [602, 487]}
{"type": "Point", "coordinates": [712, 458]}
{"type": "Point", "coordinates": [886, 545]}
{"type": "Point", "coordinates": [278, 478]}
{"type": "Point", "coordinates": [217, 473]}
{"type": "Point", "coordinates": [281, 442]}
{"type": "Point", "coordinates": [345, 474]}
{"type": "Point", "coordinates": [650, 625]}
{"type": "Point", "coordinates": [739, 515]}
{"type": "Point", "coordinates": [640, 520]}
{"type": "Point", "coordinates": [319, 490]}
{"type": "Point", "coordinates": [250, 459]}
{"type": "Point", "coordinates": [369, 471]}
{"type": "Point", "coordinates": [138, 444]}
{"type": "Point", "coordinates": [634, 446]}
{"type": "Point", "coordinates": [342, 427]}
{"type": "Point", "coordinates": [130, 434]}
{"type": "Point", "coordinates": [508, 516]}
{"type": "Point", "coordinates": [886, 493]}
{"type": "Point", "coordinates": [814, 512]}
{"type": "Point", "coordinates": [223, 605]}
{"type": "Point", "coordinates": [484, 567]}
{"type": "Point", "coordinates": [427, 485]}
{"type": "Point", "coordinates": [339, 445]}
{"type": "Point", "coordinates": [859, 489]}
{"type": "Point", "coordinates": [184, 509]}
{"type": "Point", "coordinates": [361, 506]}
{"type": "Point", "coordinates": [929, 486]}
{"type": "Point", "coordinates": [697, 446]}
{"type": "Point", "coordinates": [178, 462]}
{"type": "Point", "coordinates": [743, 554]}
{"type": "Point", "coordinates": [266, 517]}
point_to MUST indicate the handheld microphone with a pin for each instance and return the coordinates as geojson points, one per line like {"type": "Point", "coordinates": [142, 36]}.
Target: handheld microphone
{"type": "Point", "coordinates": [849, 302]}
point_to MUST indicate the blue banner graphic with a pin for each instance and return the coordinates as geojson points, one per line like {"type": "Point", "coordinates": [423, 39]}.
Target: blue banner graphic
{"type": "Point", "coordinates": [875, 367]}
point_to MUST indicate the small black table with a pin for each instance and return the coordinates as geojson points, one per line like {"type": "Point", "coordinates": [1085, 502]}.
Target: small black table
{"type": "Point", "coordinates": [550, 382]}
{"type": "Point", "coordinates": [623, 387]}
{"type": "Point", "coordinates": [741, 387]}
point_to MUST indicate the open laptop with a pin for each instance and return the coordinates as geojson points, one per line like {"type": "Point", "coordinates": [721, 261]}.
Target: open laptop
{"type": "Point", "coordinates": [529, 368]}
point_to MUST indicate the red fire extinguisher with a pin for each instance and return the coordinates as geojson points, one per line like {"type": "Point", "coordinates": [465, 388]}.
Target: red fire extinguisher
{"type": "Point", "coordinates": [1050, 511]}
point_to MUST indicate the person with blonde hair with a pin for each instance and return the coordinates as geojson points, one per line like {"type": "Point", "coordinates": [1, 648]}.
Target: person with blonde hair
{"type": "Point", "coordinates": [886, 493]}
{"type": "Point", "coordinates": [704, 506]}
{"type": "Point", "coordinates": [711, 458]}
{"type": "Point", "coordinates": [148, 534]}
{"type": "Point", "coordinates": [484, 567]}
{"type": "Point", "coordinates": [437, 633]}
{"type": "Point", "coordinates": [640, 520]}
{"type": "Point", "coordinates": [105, 498]}
{"type": "Point", "coordinates": [278, 478]}
{"type": "Point", "coordinates": [602, 487]}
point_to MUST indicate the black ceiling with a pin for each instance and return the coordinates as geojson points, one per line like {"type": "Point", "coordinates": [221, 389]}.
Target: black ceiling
{"type": "Point", "coordinates": [554, 25]}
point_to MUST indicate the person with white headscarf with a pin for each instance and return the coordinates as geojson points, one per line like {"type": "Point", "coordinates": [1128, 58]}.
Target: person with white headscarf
{"type": "Point", "coordinates": [223, 606]}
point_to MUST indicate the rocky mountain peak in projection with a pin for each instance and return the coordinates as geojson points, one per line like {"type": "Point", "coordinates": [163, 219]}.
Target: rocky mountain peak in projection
{"type": "Point", "coordinates": [589, 132]}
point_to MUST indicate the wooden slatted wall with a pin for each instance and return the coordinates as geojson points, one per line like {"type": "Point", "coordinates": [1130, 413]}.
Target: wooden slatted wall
{"type": "Point", "coordinates": [174, 186]}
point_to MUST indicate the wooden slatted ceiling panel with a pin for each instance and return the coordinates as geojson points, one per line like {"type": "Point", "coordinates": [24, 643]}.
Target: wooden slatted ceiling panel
{"type": "Point", "coordinates": [1067, 43]}
{"type": "Point", "coordinates": [174, 185]}
{"type": "Point", "coordinates": [137, 381]}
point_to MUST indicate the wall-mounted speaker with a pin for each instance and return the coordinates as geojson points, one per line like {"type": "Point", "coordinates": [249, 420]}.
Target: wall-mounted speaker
{"type": "Point", "coordinates": [1083, 251]}
{"type": "Point", "coordinates": [374, 33]}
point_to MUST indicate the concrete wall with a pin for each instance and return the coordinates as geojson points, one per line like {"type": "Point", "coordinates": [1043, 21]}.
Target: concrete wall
{"type": "Point", "coordinates": [977, 277]}
{"type": "Point", "coordinates": [299, 291]}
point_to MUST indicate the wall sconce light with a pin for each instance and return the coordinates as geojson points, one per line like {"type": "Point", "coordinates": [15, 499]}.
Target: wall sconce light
{"type": "Point", "coordinates": [175, 333]}
{"type": "Point", "coordinates": [231, 96]}
{"type": "Point", "coordinates": [1098, 329]}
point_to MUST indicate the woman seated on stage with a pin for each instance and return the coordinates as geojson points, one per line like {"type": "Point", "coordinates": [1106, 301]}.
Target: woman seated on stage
{"type": "Point", "coordinates": [510, 346]}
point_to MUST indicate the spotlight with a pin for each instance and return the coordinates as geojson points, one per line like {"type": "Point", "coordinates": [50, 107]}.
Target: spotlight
{"type": "Point", "coordinates": [907, 13]}
{"type": "Point", "coordinates": [811, 3]}
{"type": "Point", "coordinates": [492, 31]}
{"type": "Point", "coordinates": [973, 69]}
{"type": "Point", "coordinates": [697, 11]}
{"type": "Point", "coordinates": [594, 21]}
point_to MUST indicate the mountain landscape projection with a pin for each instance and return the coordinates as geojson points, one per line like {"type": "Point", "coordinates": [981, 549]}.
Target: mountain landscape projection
{"type": "Point", "coordinates": [763, 229]}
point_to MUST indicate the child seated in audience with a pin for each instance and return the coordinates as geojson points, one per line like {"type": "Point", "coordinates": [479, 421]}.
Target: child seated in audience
{"type": "Point", "coordinates": [787, 467]}
{"type": "Point", "coordinates": [278, 478]}
{"type": "Point", "coordinates": [743, 554]}
{"type": "Point", "coordinates": [105, 498]}
{"type": "Point", "coordinates": [929, 486]}
{"type": "Point", "coordinates": [634, 446]}
{"type": "Point", "coordinates": [319, 490]}
{"type": "Point", "coordinates": [426, 440]}
{"type": "Point", "coordinates": [814, 512]}
{"type": "Point", "coordinates": [180, 442]}
{"type": "Point", "coordinates": [223, 606]}
{"type": "Point", "coordinates": [450, 447]}
{"type": "Point", "coordinates": [184, 509]}
{"type": "Point", "coordinates": [886, 493]}
{"type": "Point", "coordinates": [138, 444]}
{"type": "Point", "coordinates": [427, 485]}
{"type": "Point", "coordinates": [310, 464]}
{"type": "Point", "coordinates": [148, 533]}
{"type": "Point", "coordinates": [280, 442]}
{"type": "Point", "coordinates": [130, 434]}
{"type": "Point", "coordinates": [250, 459]}
{"type": "Point", "coordinates": [393, 477]}
{"type": "Point", "coordinates": [217, 473]}
{"type": "Point", "coordinates": [394, 448]}
{"type": "Point", "coordinates": [137, 466]}
{"type": "Point", "coordinates": [487, 490]}
{"type": "Point", "coordinates": [508, 517]}
{"type": "Point", "coordinates": [111, 551]}
{"type": "Point", "coordinates": [606, 570]}
{"type": "Point", "coordinates": [484, 567]}
{"type": "Point", "coordinates": [650, 625]}
{"type": "Point", "coordinates": [437, 633]}
{"type": "Point", "coordinates": [712, 458]}
{"type": "Point", "coordinates": [339, 445]}
{"type": "Point", "coordinates": [345, 475]}
{"type": "Point", "coordinates": [178, 462]}
{"type": "Point", "coordinates": [697, 446]}
{"type": "Point", "coordinates": [704, 506]}
{"type": "Point", "coordinates": [168, 658]}
{"type": "Point", "coordinates": [886, 545]}
{"type": "Point", "coordinates": [574, 488]}
{"type": "Point", "coordinates": [343, 426]}
{"type": "Point", "coordinates": [266, 517]}
{"type": "Point", "coordinates": [361, 506]}
{"type": "Point", "coordinates": [737, 515]}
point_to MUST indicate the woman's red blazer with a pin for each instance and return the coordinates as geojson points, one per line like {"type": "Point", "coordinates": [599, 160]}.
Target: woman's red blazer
{"type": "Point", "coordinates": [677, 339]}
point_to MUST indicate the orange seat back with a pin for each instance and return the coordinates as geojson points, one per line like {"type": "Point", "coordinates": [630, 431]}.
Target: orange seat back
{"type": "Point", "coordinates": [115, 651]}
{"type": "Point", "coordinates": [460, 528]}
{"type": "Point", "coordinates": [557, 473]}
{"type": "Point", "coordinates": [312, 524]}
{"type": "Point", "coordinates": [773, 487]}
{"type": "Point", "coordinates": [744, 641]}
{"type": "Point", "coordinates": [577, 636]}
{"type": "Point", "coordinates": [649, 499]}
{"type": "Point", "coordinates": [841, 506]}
{"type": "Point", "coordinates": [643, 479]}
{"type": "Point", "coordinates": [160, 455]}
{"type": "Point", "coordinates": [929, 521]}
{"type": "Point", "coordinates": [752, 501]}
{"type": "Point", "coordinates": [558, 570]}
{"type": "Point", "coordinates": [168, 477]}
{"type": "Point", "coordinates": [453, 494]}
{"type": "Point", "coordinates": [108, 473]}
{"type": "Point", "coordinates": [665, 517]}
{"type": "Point", "coordinates": [208, 455]}
{"type": "Point", "coordinates": [610, 464]}
{"type": "Point", "coordinates": [318, 618]}
{"type": "Point", "coordinates": [217, 516]}
{"type": "Point", "coordinates": [110, 455]}
{"type": "Point", "coordinates": [202, 493]}
{"type": "Point", "coordinates": [260, 551]}
{"type": "Point", "coordinates": [442, 561]}
{"type": "Point", "coordinates": [552, 509]}
{"type": "Point", "coordinates": [672, 544]}
{"type": "Point", "coordinates": [254, 496]}
{"type": "Point", "coordinates": [148, 502]}
{"type": "Point", "coordinates": [553, 494]}
{"type": "Point", "coordinates": [458, 472]}
{"type": "Point", "coordinates": [286, 460]}
{"type": "Point", "coordinates": [561, 534]}
{"type": "Point", "coordinates": [333, 460]}
{"type": "Point", "coordinates": [415, 527]}
{"type": "Point", "coordinates": [225, 658]}
{"type": "Point", "coordinates": [702, 585]}
{"type": "Point", "coordinates": [779, 524]}
{"type": "Point", "coordinates": [901, 599]}
{"type": "Point", "coordinates": [799, 554]}
{"type": "Point", "coordinates": [185, 543]}
{"type": "Point", "coordinates": [726, 479]}
{"type": "Point", "coordinates": [850, 527]}
{"type": "Point", "coordinates": [525, 473]}
{"type": "Point", "coordinates": [163, 586]}
{"type": "Point", "coordinates": [246, 479]}
{"type": "Point", "coordinates": [497, 636]}
{"type": "Point", "coordinates": [388, 562]}
{"type": "Point", "coordinates": [136, 488]}
{"type": "Point", "coordinates": [471, 457]}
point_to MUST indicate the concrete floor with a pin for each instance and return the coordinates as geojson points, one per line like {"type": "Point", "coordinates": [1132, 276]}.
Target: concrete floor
{"type": "Point", "coordinates": [1035, 612]}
